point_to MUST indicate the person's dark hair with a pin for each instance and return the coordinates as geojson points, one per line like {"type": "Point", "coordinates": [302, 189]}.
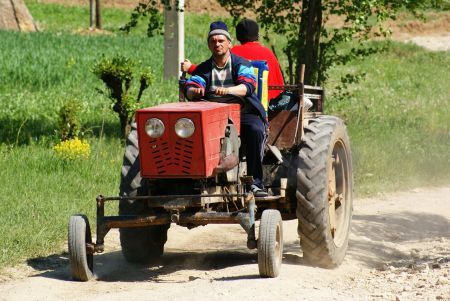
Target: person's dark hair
{"type": "Point", "coordinates": [247, 30]}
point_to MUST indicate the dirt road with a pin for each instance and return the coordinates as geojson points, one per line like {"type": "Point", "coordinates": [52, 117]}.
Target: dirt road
{"type": "Point", "coordinates": [399, 250]}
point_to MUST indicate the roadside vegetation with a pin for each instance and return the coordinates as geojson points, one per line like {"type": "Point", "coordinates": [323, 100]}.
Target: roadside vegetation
{"type": "Point", "coordinates": [398, 118]}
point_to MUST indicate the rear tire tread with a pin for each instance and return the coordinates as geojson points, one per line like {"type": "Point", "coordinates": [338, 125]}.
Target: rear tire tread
{"type": "Point", "coordinates": [316, 240]}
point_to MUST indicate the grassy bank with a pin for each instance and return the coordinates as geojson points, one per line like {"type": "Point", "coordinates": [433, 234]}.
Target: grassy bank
{"type": "Point", "coordinates": [39, 192]}
{"type": "Point", "coordinates": [398, 119]}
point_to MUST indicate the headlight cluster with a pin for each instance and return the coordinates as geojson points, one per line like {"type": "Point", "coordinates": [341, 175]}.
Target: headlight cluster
{"type": "Point", "coordinates": [184, 127]}
{"type": "Point", "coordinates": [154, 128]}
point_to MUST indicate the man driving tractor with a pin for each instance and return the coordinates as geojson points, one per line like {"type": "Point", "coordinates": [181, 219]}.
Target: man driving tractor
{"type": "Point", "coordinates": [247, 33]}
{"type": "Point", "coordinates": [228, 74]}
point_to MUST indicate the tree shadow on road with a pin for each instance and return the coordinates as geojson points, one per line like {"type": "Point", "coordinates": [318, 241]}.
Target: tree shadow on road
{"type": "Point", "coordinates": [377, 239]}
{"type": "Point", "coordinates": [54, 266]}
{"type": "Point", "coordinates": [112, 266]}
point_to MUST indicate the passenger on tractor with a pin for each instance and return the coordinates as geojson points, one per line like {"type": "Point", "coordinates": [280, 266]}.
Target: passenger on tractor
{"type": "Point", "coordinates": [226, 74]}
{"type": "Point", "coordinates": [247, 33]}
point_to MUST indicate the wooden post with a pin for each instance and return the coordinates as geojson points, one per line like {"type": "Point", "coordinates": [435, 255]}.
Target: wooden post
{"type": "Point", "coordinates": [299, 129]}
{"type": "Point", "coordinates": [173, 38]}
{"type": "Point", "coordinates": [91, 14]}
{"type": "Point", "coordinates": [98, 14]}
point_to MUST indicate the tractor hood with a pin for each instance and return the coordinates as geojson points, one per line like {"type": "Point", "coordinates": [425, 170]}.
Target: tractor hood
{"type": "Point", "coordinates": [183, 139]}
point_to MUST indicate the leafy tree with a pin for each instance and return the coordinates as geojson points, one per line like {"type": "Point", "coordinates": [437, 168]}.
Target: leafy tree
{"type": "Point", "coordinates": [313, 44]}
{"type": "Point", "coordinates": [146, 9]}
{"type": "Point", "coordinates": [150, 9]}
{"type": "Point", "coordinates": [302, 22]}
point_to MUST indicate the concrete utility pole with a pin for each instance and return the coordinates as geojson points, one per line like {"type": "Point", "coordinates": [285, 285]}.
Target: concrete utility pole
{"type": "Point", "coordinates": [173, 38]}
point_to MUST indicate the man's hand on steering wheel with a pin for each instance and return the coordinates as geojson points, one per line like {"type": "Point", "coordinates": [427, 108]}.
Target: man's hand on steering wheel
{"type": "Point", "coordinates": [223, 98]}
{"type": "Point", "coordinates": [195, 93]}
{"type": "Point", "coordinates": [222, 91]}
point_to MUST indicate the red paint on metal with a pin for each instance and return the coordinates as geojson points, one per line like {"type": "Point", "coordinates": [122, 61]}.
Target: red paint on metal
{"type": "Point", "coordinates": [170, 156]}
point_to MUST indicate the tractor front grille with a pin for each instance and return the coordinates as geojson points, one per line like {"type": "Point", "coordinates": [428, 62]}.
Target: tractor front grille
{"type": "Point", "coordinates": [159, 154]}
{"type": "Point", "coordinates": [183, 155]}
{"type": "Point", "coordinates": [175, 160]}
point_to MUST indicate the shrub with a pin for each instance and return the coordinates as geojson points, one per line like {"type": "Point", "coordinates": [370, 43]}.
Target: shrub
{"type": "Point", "coordinates": [117, 73]}
{"type": "Point", "coordinates": [69, 120]}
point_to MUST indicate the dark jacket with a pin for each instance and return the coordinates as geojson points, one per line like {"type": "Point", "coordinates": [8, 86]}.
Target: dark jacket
{"type": "Point", "coordinates": [242, 73]}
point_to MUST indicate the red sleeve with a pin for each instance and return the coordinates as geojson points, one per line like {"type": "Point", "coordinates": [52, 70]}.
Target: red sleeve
{"type": "Point", "coordinates": [192, 69]}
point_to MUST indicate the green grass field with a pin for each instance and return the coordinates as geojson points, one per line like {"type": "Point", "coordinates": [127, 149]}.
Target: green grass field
{"type": "Point", "coordinates": [398, 119]}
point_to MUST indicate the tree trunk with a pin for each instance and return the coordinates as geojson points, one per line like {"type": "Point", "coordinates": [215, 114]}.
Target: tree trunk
{"type": "Point", "coordinates": [125, 125]}
{"type": "Point", "coordinates": [14, 15]}
{"type": "Point", "coordinates": [98, 14]}
{"type": "Point", "coordinates": [309, 39]}
{"type": "Point", "coordinates": [91, 14]}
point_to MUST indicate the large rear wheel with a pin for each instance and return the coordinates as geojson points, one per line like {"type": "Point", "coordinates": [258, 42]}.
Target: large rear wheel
{"type": "Point", "coordinates": [140, 244]}
{"type": "Point", "coordinates": [324, 192]}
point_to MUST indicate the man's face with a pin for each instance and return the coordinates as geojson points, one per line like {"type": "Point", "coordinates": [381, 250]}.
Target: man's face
{"type": "Point", "coordinates": [219, 45]}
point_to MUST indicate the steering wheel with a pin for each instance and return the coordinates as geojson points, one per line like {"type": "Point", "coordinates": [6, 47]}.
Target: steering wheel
{"type": "Point", "coordinates": [227, 98]}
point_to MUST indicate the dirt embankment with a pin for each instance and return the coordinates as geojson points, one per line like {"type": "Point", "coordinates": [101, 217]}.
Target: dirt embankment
{"type": "Point", "coordinates": [399, 250]}
{"type": "Point", "coordinates": [433, 34]}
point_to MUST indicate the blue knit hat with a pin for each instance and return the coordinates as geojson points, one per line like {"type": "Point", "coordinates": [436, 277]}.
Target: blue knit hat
{"type": "Point", "coordinates": [218, 27]}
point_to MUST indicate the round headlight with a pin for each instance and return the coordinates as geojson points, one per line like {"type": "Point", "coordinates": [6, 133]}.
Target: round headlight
{"type": "Point", "coordinates": [154, 128]}
{"type": "Point", "coordinates": [184, 127]}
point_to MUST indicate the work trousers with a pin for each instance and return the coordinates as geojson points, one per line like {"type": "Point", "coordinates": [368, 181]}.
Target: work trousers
{"type": "Point", "coordinates": [253, 137]}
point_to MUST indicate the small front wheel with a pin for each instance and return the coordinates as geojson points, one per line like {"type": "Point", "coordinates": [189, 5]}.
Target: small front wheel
{"type": "Point", "coordinates": [270, 243]}
{"type": "Point", "coordinates": [81, 262]}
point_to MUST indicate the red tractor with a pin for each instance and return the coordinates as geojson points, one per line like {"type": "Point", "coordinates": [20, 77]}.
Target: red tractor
{"type": "Point", "coordinates": [182, 165]}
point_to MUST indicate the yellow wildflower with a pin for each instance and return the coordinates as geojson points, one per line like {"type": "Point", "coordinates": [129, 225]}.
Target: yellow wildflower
{"type": "Point", "coordinates": [72, 149]}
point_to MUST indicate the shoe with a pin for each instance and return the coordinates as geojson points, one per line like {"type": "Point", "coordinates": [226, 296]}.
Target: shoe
{"type": "Point", "coordinates": [258, 192]}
